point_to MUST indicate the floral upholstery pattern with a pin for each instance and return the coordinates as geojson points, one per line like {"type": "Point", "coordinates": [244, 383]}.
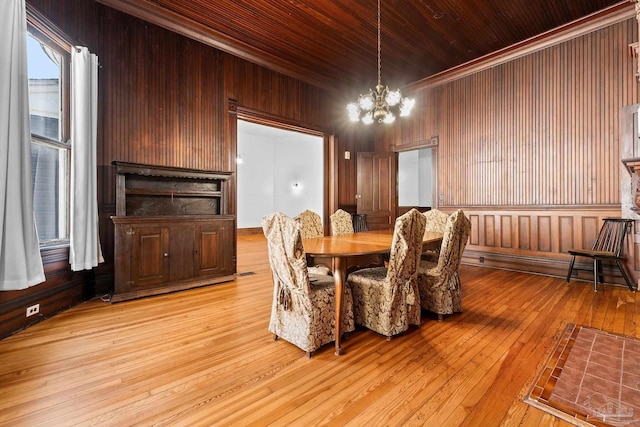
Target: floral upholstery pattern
{"type": "Point", "coordinates": [387, 300]}
{"type": "Point", "coordinates": [438, 282]}
{"type": "Point", "coordinates": [341, 223]}
{"type": "Point", "coordinates": [303, 307]}
{"type": "Point", "coordinates": [436, 222]}
{"type": "Point", "coordinates": [310, 224]}
{"type": "Point", "coordinates": [310, 227]}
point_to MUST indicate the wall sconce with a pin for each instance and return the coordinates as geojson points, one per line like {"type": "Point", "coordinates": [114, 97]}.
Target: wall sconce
{"type": "Point", "coordinates": [347, 155]}
{"type": "Point", "coordinates": [239, 159]}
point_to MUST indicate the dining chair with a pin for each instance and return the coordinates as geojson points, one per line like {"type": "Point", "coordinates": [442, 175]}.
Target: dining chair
{"type": "Point", "coordinates": [436, 221]}
{"type": "Point", "coordinates": [303, 306]}
{"type": "Point", "coordinates": [386, 299]}
{"type": "Point", "coordinates": [341, 223]}
{"type": "Point", "coordinates": [609, 245]}
{"type": "Point", "coordinates": [438, 281]}
{"type": "Point", "coordinates": [310, 227]}
{"type": "Point", "coordinates": [310, 224]}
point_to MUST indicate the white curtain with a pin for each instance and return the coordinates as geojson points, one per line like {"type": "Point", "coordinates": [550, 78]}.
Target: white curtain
{"type": "Point", "coordinates": [85, 252]}
{"type": "Point", "coordinates": [20, 261]}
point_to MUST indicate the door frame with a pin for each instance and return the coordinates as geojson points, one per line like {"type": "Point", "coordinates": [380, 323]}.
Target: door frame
{"type": "Point", "coordinates": [236, 111]}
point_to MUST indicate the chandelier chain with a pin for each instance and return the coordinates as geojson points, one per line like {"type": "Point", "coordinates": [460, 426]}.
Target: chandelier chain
{"type": "Point", "coordinates": [379, 50]}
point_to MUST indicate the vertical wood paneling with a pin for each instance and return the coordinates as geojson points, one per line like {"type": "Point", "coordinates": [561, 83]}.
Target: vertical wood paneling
{"type": "Point", "coordinates": [542, 129]}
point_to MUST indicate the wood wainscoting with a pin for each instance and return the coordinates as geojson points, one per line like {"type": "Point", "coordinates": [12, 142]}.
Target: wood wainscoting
{"type": "Point", "coordinates": [537, 240]}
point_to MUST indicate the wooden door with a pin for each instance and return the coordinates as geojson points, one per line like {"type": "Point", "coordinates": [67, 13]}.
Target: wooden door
{"type": "Point", "coordinates": [376, 189]}
{"type": "Point", "coordinates": [149, 256]}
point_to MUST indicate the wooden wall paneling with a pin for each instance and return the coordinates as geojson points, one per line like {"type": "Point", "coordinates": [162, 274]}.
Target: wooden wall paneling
{"type": "Point", "coordinates": [566, 234]}
{"type": "Point", "coordinates": [544, 233]}
{"type": "Point", "coordinates": [506, 231]}
{"type": "Point", "coordinates": [550, 231]}
{"type": "Point", "coordinates": [474, 236]}
{"type": "Point", "coordinates": [524, 232]}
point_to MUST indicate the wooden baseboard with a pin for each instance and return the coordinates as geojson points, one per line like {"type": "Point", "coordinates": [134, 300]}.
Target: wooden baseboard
{"type": "Point", "coordinates": [249, 231]}
{"type": "Point", "coordinates": [540, 265]}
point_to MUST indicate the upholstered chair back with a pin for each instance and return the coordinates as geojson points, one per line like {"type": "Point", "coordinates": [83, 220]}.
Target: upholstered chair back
{"type": "Point", "coordinates": [310, 224]}
{"type": "Point", "coordinates": [406, 248]}
{"type": "Point", "coordinates": [436, 220]}
{"type": "Point", "coordinates": [341, 223]}
{"type": "Point", "coordinates": [286, 257]}
{"type": "Point", "coordinates": [454, 240]}
{"type": "Point", "coordinates": [386, 300]}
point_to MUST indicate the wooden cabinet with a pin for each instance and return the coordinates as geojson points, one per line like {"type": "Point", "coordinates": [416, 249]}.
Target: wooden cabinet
{"type": "Point", "coordinates": [171, 231]}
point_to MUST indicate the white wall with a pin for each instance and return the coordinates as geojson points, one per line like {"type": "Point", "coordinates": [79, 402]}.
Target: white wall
{"type": "Point", "coordinates": [414, 178]}
{"type": "Point", "coordinates": [273, 160]}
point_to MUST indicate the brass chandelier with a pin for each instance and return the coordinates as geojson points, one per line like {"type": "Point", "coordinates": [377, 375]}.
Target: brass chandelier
{"type": "Point", "coordinates": [380, 105]}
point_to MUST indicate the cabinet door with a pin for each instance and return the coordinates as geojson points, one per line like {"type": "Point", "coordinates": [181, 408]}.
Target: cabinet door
{"type": "Point", "coordinates": [181, 250]}
{"type": "Point", "coordinates": [149, 256]}
{"type": "Point", "coordinates": [214, 249]}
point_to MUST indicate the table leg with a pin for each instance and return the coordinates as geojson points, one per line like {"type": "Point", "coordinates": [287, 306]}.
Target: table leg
{"type": "Point", "coordinates": [338, 277]}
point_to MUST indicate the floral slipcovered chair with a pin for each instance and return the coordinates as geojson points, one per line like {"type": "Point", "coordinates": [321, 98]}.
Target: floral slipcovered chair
{"type": "Point", "coordinates": [341, 223]}
{"type": "Point", "coordinates": [436, 221]}
{"type": "Point", "coordinates": [310, 224]}
{"type": "Point", "coordinates": [303, 307]}
{"type": "Point", "coordinates": [387, 300]}
{"type": "Point", "coordinates": [438, 281]}
{"type": "Point", "coordinates": [310, 227]}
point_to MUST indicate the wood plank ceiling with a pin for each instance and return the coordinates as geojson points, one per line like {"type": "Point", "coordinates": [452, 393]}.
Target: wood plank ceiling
{"type": "Point", "coordinates": [333, 43]}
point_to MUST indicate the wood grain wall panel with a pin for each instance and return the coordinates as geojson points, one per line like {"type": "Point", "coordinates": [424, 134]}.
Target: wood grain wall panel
{"type": "Point", "coordinates": [544, 233]}
{"type": "Point", "coordinates": [566, 233]}
{"type": "Point", "coordinates": [506, 231]}
{"type": "Point", "coordinates": [524, 232]}
{"type": "Point", "coordinates": [551, 232]}
{"type": "Point", "coordinates": [542, 129]}
{"type": "Point", "coordinates": [474, 235]}
{"type": "Point", "coordinates": [590, 227]}
{"type": "Point", "coordinates": [489, 230]}
{"type": "Point", "coordinates": [537, 133]}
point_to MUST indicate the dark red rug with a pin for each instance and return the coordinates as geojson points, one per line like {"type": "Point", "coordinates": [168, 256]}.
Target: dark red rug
{"type": "Point", "coordinates": [591, 378]}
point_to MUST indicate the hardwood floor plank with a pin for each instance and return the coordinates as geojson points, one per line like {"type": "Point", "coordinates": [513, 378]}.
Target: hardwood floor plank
{"type": "Point", "coordinates": [205, 357]}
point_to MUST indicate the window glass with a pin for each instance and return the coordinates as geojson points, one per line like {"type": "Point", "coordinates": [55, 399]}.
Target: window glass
{"type": "Point", "coordinates": [50, 154]}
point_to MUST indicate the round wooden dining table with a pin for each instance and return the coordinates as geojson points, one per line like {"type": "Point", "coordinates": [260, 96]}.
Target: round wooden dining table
{"type": "Point", "coordinates": [340, 248]}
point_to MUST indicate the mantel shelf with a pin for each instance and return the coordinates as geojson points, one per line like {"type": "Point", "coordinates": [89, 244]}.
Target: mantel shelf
{"type": "Point", "coordinates": [164, 192]}
{"type": "Point", "coordinates": [632, 165]}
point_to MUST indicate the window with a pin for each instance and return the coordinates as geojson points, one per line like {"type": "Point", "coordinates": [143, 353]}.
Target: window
{"type": "Point", "coordinates": [48, 72]}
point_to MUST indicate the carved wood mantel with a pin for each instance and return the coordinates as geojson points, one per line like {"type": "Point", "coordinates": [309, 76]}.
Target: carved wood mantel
{"type": "Point", "coordinates": [633, 167]}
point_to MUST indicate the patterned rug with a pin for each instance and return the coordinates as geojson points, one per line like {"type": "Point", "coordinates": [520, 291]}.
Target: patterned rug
{"type": "Point", "coordinates": [591, 379]}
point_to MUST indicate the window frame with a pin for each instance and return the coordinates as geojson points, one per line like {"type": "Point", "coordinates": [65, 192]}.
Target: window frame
{"type": "Point", "coordinates": [40, 28]}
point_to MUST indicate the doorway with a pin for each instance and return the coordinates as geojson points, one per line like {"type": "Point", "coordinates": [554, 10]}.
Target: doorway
{"type": "Point", "coordinates": [417, 179]}
{"type": "Point", "coordinates": [277, 170]}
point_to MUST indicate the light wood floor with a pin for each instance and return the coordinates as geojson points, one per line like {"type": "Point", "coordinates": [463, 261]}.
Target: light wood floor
{"type": "Point", "coordinates": [205, 357]}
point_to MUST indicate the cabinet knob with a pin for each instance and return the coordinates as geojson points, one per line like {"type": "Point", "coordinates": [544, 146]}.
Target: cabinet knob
{"type": "Point", "coordinates": [166, 254]}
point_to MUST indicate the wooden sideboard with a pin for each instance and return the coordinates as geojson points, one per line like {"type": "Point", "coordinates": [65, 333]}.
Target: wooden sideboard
{"type": "Point", "coordinates": [172, 231]}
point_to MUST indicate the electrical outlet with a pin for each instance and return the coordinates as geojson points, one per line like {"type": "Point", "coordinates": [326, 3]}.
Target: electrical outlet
{"type": "Point", "coordinates": [34, 309]}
